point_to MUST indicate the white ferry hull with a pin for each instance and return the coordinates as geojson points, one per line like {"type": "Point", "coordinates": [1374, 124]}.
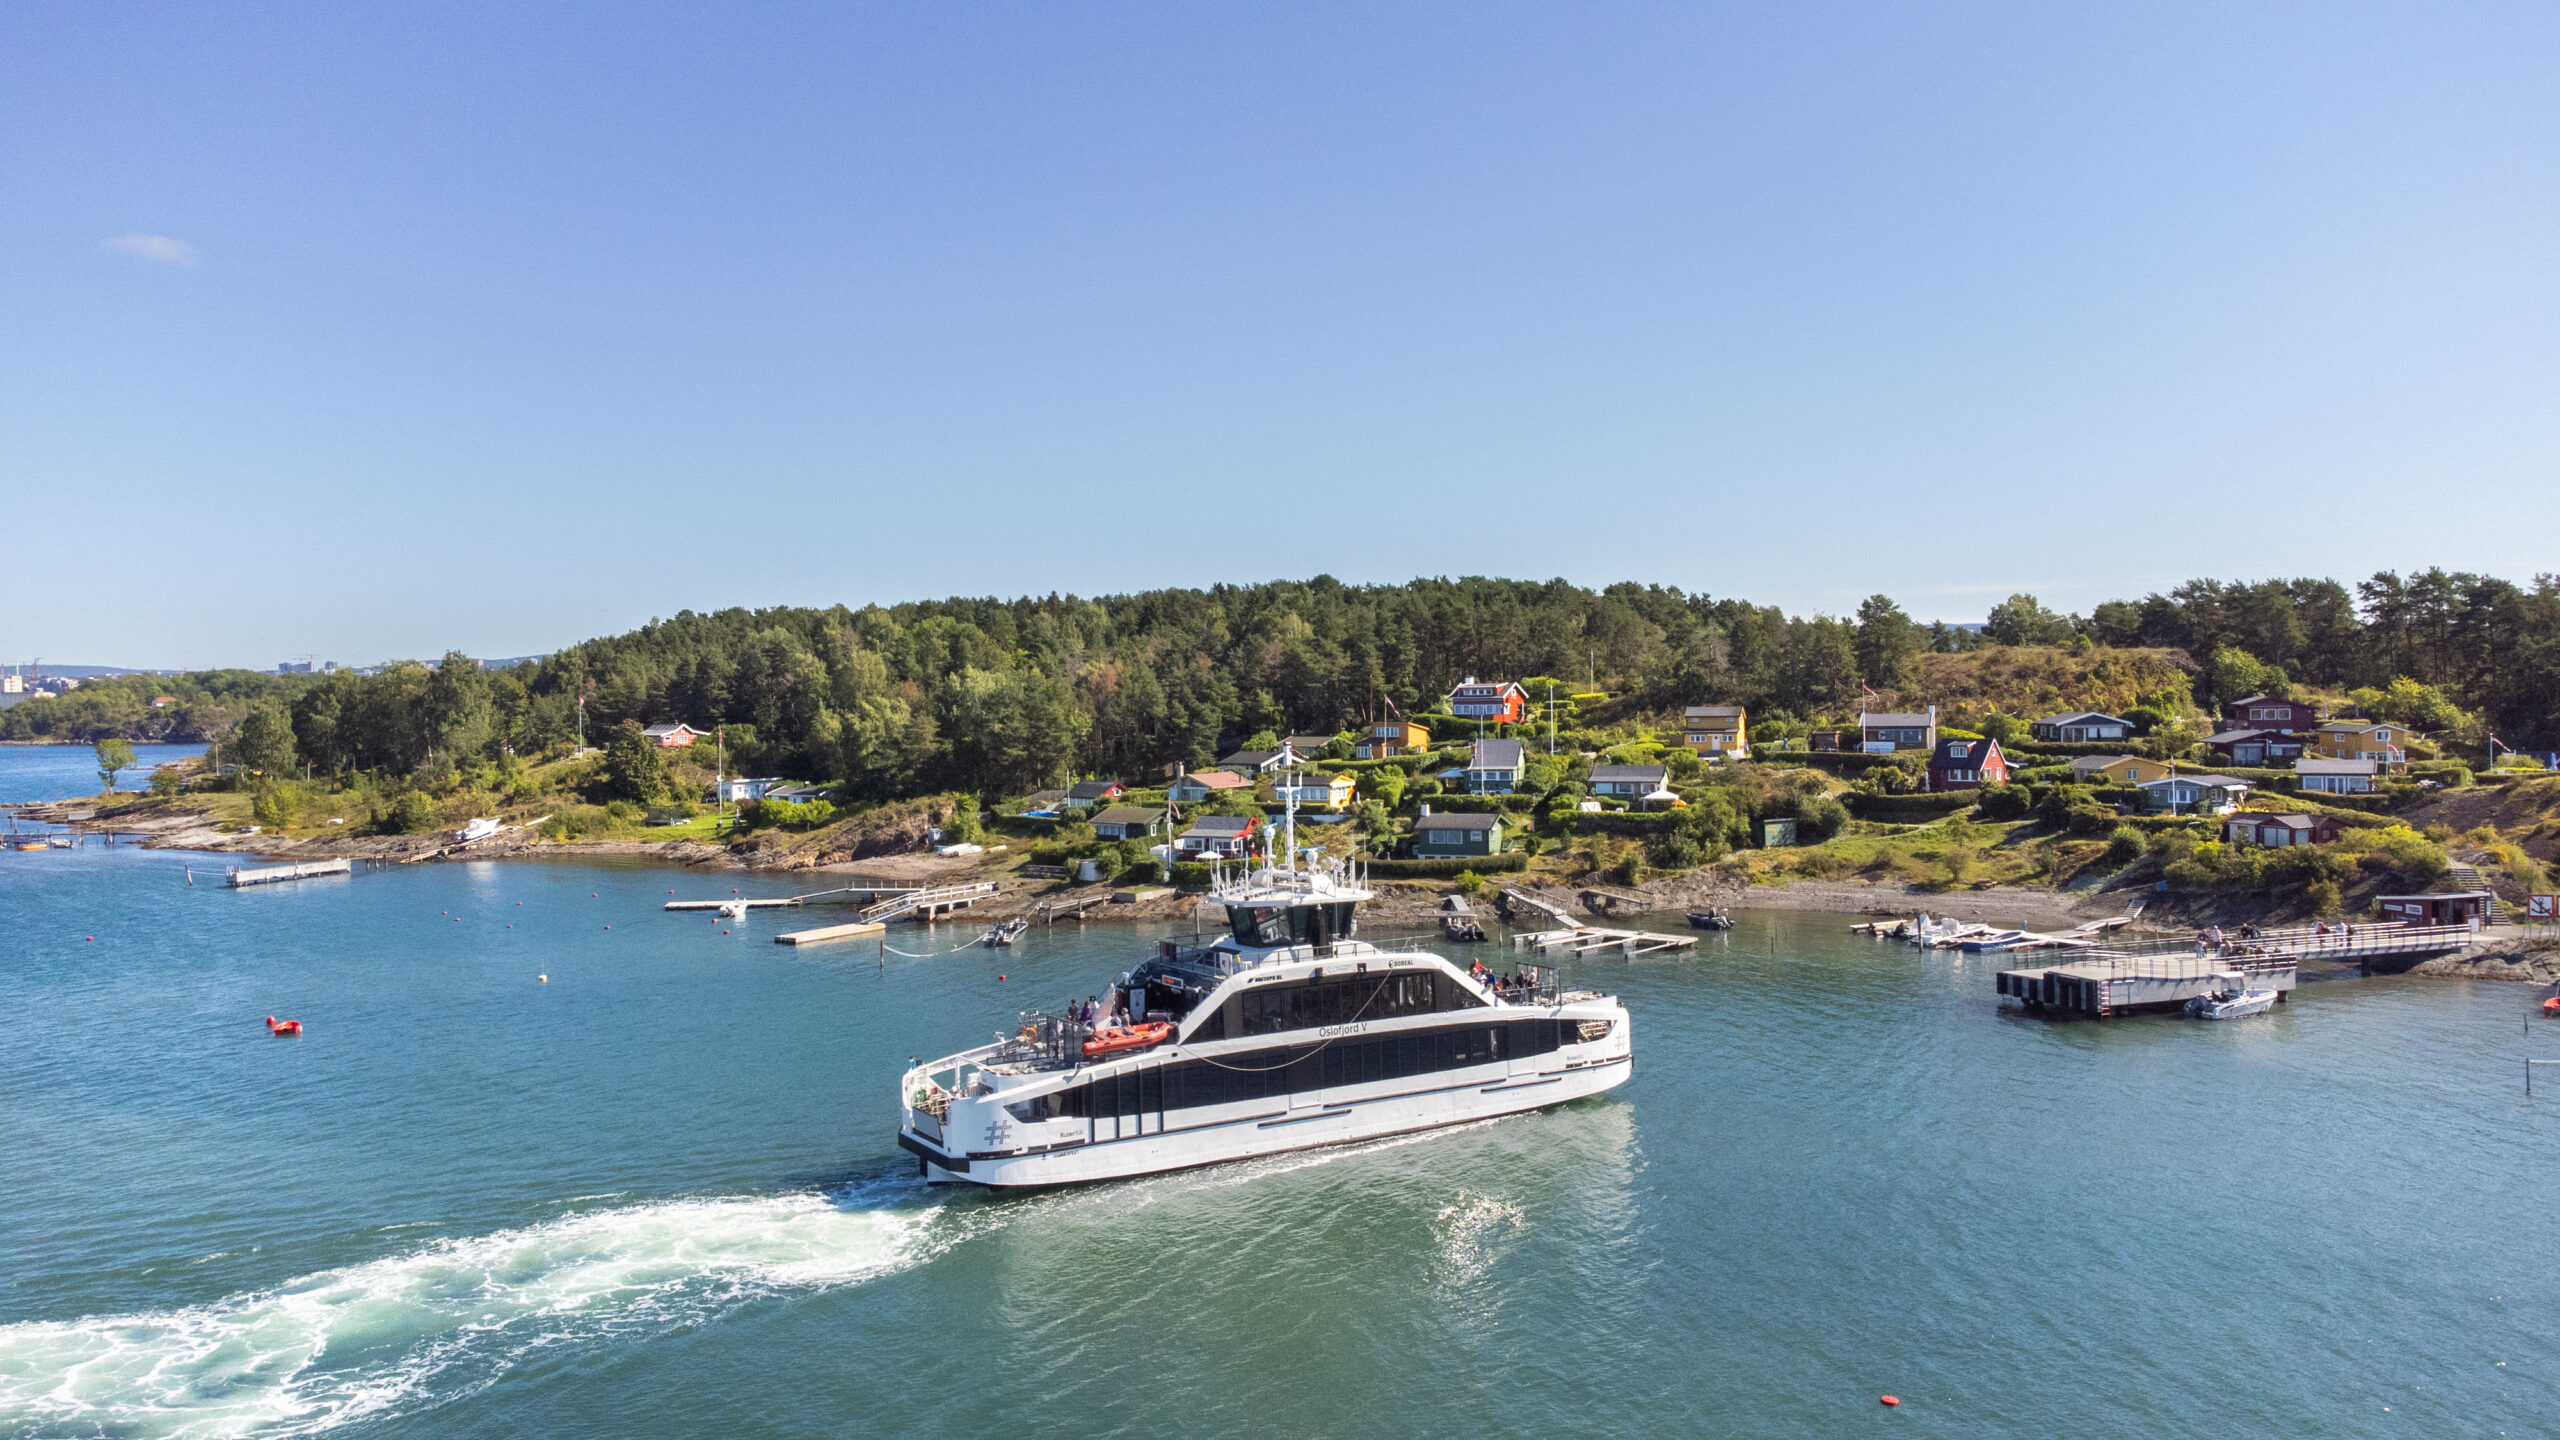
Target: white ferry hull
{"type": "Point", "coordinates": [1271, 1127]}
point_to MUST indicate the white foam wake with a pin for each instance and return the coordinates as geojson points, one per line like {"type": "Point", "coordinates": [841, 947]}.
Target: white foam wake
{"type": "Point", "coordinates": [341, 1344]}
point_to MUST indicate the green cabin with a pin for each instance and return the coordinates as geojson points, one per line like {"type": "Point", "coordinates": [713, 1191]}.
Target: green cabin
{"type": "Point", "coordinates": [1440, 836]}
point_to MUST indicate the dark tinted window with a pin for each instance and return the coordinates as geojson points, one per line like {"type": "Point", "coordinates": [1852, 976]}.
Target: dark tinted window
{"type": "Point", "coordinates": [1311, 1004]}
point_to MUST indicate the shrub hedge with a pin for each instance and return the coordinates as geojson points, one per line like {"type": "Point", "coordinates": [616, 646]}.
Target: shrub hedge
{"type": "Point", "coordinates": [1908, 807]}
{"type": "Point", "coordinates": [1445, 869]}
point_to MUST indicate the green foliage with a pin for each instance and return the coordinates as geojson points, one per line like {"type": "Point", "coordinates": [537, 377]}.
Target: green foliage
{"type": "Point", "coordinates": [1886, 644]}
{"type": "Point", "coordinates": [2235, 674]}
{"type": "Point", "coordinates": [2003, 802]}
{"type": "Point", "coordinates": [2124, 843]}
{"type": "Point", "coordinates": [1900, 774]}
{"type": "Point", "coordinates": [634, 768]}
{"type": "Point", "coordinates": [114, 754]}
{"type": "Point", "coordinates": [2007, 729]}
{"type": "Point", "coordinates": [408, 814]}
{"type": "Point", "coordinates": [774, 814]}
{"type": "Point", "coordinates": [1631, 870]}
{"type": "Point", "coordinates": [1470, 882]}
{"type": "Point", "coordinates": [265, 742]}
{"type": "Point", "coordinates": [1818, 818]}
{"type": "Point", "coordinates": [1385, 786]}
{"type": "Point", "coordinates": [1447, 868]}
{"type": "Point", "coordinates": [2325, 899]}
{"type": "Point", "coordinates": [2412, 703]}
{"type": "Point", "coordinates": [273, 804]}
{"type": "Point", "coordinates": [2024, 620]}
{"type": "Point", "coordinates": [166, 782]}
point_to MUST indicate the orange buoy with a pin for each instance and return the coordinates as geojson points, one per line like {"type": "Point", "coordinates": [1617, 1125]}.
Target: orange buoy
{"type": "Point", "coordinates": [2551, 1006]}
{"type": "Point", "coordinates": [1890, 1399]}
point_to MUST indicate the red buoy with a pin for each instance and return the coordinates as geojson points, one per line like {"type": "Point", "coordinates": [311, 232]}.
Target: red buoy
{"type": "Point", "coordinates": [999, 977]}
{"type": "Point", "coordinates": [1891, 1399]}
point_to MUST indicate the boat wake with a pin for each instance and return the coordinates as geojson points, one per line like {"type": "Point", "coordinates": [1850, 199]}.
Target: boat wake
{"type": "Point", "coordinates": [443, 1321]}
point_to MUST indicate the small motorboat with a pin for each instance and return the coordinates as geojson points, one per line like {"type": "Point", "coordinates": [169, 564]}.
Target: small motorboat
{"type": "Point", "coordinates": [1114, 1039]}
{"type": "Point", "coordinates": [1995, 941]}
{"type": "Point", "coordinates": [732, 910]}
{"type": "Point", "coordinates": [1458, 923]}
{"type": "Point", "coordinates": [283, 1027]}
{"type": "Point", "coordinates": [1005, 933]}
{"type": "Point", "coordinates": [479, 829]}
{"type": "Point", "coordinates": [1711, 919]}
{"type": "Point", "coordinates": [2230, 999]}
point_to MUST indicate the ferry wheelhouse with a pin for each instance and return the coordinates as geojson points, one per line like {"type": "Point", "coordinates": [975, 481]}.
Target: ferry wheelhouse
{"type": "Point", "coordinates": [1289, 1032]}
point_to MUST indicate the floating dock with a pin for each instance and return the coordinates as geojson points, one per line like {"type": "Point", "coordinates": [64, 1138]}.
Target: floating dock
{"type": "Point", "coordinates": [2164, 975]}
{"type": "Point", "coordinates": [825, 933]}
{"type": "Point", "coordinates": [277, 874]}
{"type": "Point", "coordinates": [1591, 939]}
{"type": "Point", "coordinates": [850, 894]}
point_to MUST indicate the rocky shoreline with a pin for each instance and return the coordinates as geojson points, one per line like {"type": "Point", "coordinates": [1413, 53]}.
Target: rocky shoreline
{"type": "Point", "coordinates": [1399, 906]}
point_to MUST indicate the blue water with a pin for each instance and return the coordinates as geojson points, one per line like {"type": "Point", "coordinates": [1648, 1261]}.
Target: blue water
{"type": "Point", "coordinates": [657, 1195]}
{"type": "Point", "coordinates": [60, 772]}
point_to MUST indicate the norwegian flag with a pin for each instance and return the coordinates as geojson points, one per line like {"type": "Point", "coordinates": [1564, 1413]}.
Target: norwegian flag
{"type": "Point", "coordinates": [1871, 694]}
{"type": "Point", "coordinates": [1391, 706]}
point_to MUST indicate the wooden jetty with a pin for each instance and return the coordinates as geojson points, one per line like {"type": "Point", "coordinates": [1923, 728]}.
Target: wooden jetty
{"type": "Point", "coordinates": [2164, 974]}
{"type": "Point", "coordinates": [277, 874]}
{"type": "Point", "coordinates": [848, 893]}
{"type": "Point", "coordinates": [1528, 899]}
{"type": "Point", "coordinates": [825, 933]}
{"type": "Point", "coordinates": [1591, 940]}
{"type": "Point", "coordinates": [1074, 905]}
{"type": "Point", "coordinates": [1605, 900]}
{"type": "Point", "coordinates": [926, 904]}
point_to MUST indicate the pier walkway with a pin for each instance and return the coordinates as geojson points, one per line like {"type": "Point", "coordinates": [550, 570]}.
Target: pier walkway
{"type": "Point", "coordinates": [1553, 909]}
{"type": "Point", "coordinates": [868, 893]}
{"type": "Point", "coordinates": [1591, 940]}
{"type": "Point", "coordinates": [2164, 974]}
{"type": "Point", "coordinates": [274, 874]}
{"type": "Point", "coordinates": [926, 904]}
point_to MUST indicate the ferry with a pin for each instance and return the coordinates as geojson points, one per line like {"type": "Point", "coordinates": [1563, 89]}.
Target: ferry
{"type": "Point", "coordinates": [1287, 1033]}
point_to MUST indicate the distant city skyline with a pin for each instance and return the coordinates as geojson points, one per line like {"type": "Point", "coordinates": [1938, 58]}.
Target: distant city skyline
{"type": "Point", "coordinates": [367, 333]}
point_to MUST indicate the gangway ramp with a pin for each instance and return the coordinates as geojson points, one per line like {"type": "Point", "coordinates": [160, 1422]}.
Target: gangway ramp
{"type": "Point", "coordinates": [926, 904]}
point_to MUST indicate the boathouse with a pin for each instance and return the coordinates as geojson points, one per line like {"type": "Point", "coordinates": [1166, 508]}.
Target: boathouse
{"type": "Point", "coordinates": [2458, 908]}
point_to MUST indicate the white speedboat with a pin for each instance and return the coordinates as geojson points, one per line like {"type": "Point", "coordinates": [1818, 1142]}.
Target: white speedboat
{"type": "Point", "coordinates": [479, 829]}
{"type": "Point", "coordinates": [1286, 1034]}
{"type": "Point", "coordinates": [2230, 999]}
{"type": "Point", "coordinates": [1995, 941]}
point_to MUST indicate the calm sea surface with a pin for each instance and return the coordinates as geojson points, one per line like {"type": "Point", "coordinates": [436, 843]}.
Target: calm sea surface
{"type": "Point", "coordinates": [58, 772]}
{"type": "Point", "coordinates": [658, 1196]}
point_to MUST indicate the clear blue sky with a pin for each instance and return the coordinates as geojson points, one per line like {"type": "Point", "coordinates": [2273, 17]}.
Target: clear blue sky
{"type": "Point", "coordinates": [375, 330]}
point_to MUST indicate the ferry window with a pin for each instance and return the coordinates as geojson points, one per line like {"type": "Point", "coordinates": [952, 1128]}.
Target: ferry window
{"type": "Point", "coordinates": [1259, 924]}
{"type": "Point", "coordinates": [1213, 1026]}
{"type": "Point", "coordinates": [1068, 1104]}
